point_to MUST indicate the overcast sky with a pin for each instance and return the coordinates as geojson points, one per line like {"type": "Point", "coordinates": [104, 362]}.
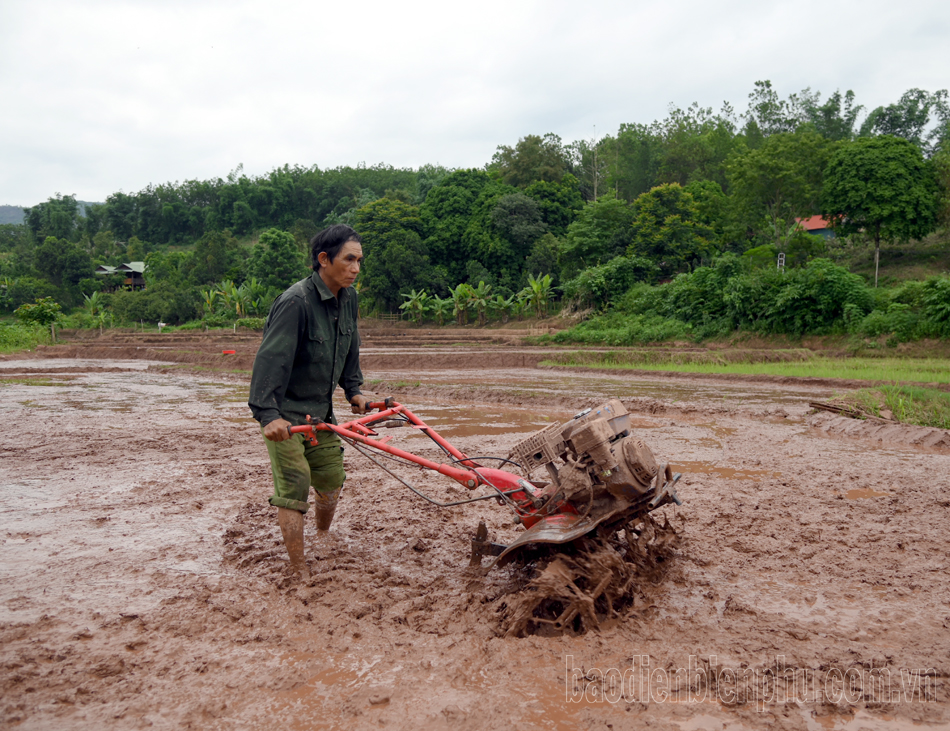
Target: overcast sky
{"type": "Point", "coordinates": [105, 96]}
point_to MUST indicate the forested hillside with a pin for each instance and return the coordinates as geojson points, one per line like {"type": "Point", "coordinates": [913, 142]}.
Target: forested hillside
{"type": "Point", "coordinates": [670, 229]}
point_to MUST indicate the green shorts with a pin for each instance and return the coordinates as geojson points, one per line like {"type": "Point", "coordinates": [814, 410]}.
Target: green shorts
{"type": "Point", "coordinates": [296, 465]}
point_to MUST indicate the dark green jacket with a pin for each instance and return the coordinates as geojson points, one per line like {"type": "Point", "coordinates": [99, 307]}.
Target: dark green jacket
{"type": "Point", "coordinates": [310, 345]}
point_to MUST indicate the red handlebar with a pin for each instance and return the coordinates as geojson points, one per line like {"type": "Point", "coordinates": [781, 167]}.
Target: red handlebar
{"type": "Point", "coordinates": [462, 469]}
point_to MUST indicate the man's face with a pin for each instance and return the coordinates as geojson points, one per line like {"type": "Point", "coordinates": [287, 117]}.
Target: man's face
{"type": "Point", "coordinates": [342, 271]}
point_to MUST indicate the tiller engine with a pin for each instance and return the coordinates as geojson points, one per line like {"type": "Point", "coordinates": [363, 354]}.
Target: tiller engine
{"type": "Point", "coordinates": [599, 475]}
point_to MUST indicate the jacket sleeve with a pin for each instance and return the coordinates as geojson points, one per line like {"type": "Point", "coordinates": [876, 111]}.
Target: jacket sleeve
{"type": "Point", "coordinates": [352, 377]}
{"type": "Point", "coordinates": [274, 361]}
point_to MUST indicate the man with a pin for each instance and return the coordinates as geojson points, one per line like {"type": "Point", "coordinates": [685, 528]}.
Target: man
{"type": "Point", "coordinates": [310, 345]}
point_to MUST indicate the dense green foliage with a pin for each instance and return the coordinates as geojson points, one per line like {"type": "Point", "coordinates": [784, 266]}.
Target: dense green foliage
{"type": "Point", "coordinates": [663, 230]}
{"type": "Point", "coordinates": [881, 186]}
{"type": "Point", "coordinates": [21, 336]}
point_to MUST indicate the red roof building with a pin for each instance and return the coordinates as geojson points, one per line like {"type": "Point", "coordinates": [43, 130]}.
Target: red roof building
{"type": "Point", "coordinates": [816, 225]}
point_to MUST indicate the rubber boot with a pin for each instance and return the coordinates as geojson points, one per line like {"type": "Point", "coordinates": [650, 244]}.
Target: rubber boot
{"type": "Point", "coordinates": [325, 507]}
{"type": "Point", "coordinates": [291, 527]}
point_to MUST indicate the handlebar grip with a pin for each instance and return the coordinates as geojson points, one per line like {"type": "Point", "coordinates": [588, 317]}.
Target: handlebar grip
{"type": "Point", "coordinates": [380, 405]}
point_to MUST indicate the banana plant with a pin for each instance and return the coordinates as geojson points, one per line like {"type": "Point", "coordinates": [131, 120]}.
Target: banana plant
{"type": "Point", "coordinates": [6, 283]}
{"type": "Point", "coordinates": [480, 297]}
{"type": "Point", "coordinates": [415, 304]}
{"type": "Point", "coordinates": [93, 303]}
{"type": "Point", "coordinates": [209, 298]}
{"type": "Point", "coordinates": [538, 294]}
{"type": "Point", "coordinates": [502, 306]}
{"type": "Point", "coordinates": [102, 319]}
{"type": "Point", "coordinates": [440, 308]}
{"type": "Point", "coordinates": [462, 302]}
{"type": "Point", "coordinates": [229, 295]}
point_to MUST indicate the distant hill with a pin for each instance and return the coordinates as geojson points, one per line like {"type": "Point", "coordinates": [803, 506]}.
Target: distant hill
{"type": "Point", "coordinates": [11, 214]}
{"type": "Point", "coordinates": [14, 214]}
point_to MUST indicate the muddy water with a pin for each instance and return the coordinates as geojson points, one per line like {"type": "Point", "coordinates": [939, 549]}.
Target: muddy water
{"type": "Point", "coordinates": [534, 382]}
{"type": "Point", "coordinates": [142, 581]}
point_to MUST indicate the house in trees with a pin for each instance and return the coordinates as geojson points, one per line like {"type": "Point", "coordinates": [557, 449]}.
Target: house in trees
{"type": "Point", "coordinates": [134, 273]}
{"type": "Point", "coordinates": [817, 226]}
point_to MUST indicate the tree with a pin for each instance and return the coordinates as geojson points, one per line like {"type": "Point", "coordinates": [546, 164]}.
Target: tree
{"type": "Point", "coordinates": [533, 158]}
{"type": "Point", "coordinates": [883, 187]}
{"type": "Point", "coordinates": [120, 215]}
{"type": "Point", "coordinates": [909, 118]}
{"type": "Point", "coordinates": [836, 118]}
{"type": "Point", "coordinates": [447, 213]}
{"type": "Point", "coordinates": [171, 267]}
{"type": "Point", "coordinates": [598, 234]}
{"type": "Point", "coordinates": [517, 219]}
{"type": "Point", "coordinates": [58, 217]}
{"type": "Point", "coordinates": [770, 115]}
{"type": "Point", "coordinates": [12, 236]}
{"type": "Point", "coordinates": [29, 289]}
{"type": "Point", "coordinates": [557, 202]}
{"type": "Point", "coordinates": [544, 256]}
{"type": "Point", "coordinates": [941, 162]}
{"type": "Point", "coordinates": [62, 261]}
{"type": "Point", "coordinates": [395, 257]}
{"type": "Point", "coordinates": [214, 256]}
{"type": "Point", "coordinates": [695, 144]}
{"type": "Point", "coordinates": [590, 160]}
{"type": "Point", "coordinates": [275, 260]}
{"type": "Point", "coordinates": [666, 230]}
{"type": "Point", "coordinates": [781, 179]}
{"type": "Point", "coordinates": [637, 157]}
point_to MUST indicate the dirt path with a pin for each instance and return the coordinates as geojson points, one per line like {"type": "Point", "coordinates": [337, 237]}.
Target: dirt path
{"type": "Point", "coordinates": [142, 582]}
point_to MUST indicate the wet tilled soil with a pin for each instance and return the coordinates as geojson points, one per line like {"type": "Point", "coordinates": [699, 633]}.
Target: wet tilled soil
{"type": "Point", "coordinates": [142, 580]}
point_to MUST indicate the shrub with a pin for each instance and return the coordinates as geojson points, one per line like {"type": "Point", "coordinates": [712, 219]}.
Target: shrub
{"type": "Point", "coordinates": [162, 302]}
{"type": "Point", "coordinates": [616, 328]}
{"type": "Point", "coordinates": [43, 312]}
{"type": "Point", "coordinates": [21, 336]}
{"type": "Point", "coordinates": [218, 320]}
{"type": "Point", "coordinates": [252, 323]}
{"type": "Point", "coordinates": [29, 289]}
{"type": "Point", "coordinates": [596, 286]}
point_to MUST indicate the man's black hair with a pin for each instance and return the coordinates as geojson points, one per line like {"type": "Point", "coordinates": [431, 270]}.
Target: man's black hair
{"type": "Point", "coordinates": [331, 240]}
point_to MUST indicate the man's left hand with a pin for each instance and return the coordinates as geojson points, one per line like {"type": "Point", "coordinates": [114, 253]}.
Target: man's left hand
{"type": "Point", "coordinates": [359, 404]}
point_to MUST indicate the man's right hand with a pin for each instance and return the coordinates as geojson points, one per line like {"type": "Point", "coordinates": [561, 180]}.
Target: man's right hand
{"type": "Point", "coordinates": [276, 430]}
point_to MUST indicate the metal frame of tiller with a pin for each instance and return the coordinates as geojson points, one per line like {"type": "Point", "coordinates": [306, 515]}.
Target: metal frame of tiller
{"type": "Point", "coordinates": [548, 519]}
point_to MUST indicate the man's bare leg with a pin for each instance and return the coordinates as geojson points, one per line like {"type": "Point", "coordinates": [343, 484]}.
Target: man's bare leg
{"type": "Point", "coordinates": [325, 507]}
{"type": "Point", "coordinates": [291, 527]}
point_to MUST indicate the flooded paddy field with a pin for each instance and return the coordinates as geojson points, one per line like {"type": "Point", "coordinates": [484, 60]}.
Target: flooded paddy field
{"type": "Point", "coordinates": [143, 583]}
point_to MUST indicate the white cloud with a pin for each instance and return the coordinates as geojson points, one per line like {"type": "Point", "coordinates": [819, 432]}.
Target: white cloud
{"type": "Point", "coordinates": [102, 96]}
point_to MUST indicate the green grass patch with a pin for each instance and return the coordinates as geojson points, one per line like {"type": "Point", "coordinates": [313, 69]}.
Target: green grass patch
{"type": "Point", "coordinates": [921, 370]}
{"type": "Point", "coordinates": [29, 382]}
{"type": "Point", "coordinates": [665, 356]}
{"type": "Point", "coordinates": [20, 336]}
{"type": "Point", "coordinates": [196, 367]}
{"type": "Point", "coordinates": [619, 328]}
{"type": "Point", "coordinates": [908, 404]}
